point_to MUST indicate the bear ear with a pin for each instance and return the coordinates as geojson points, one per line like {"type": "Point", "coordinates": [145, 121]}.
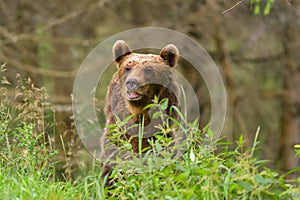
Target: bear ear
{"type": "Point", "coordinates": [170, 53]}
{"type": "Point", "coordinates": [120, 49]}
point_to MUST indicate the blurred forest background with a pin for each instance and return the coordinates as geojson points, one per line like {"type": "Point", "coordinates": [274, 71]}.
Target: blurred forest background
{"type": "Point", "coordinates": [258, 56]}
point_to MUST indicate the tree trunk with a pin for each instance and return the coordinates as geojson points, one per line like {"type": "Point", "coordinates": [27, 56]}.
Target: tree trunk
{"type": "Point", "coordinates": [290, 130]}
{"type": "Point", "coordinates": [63, 61]}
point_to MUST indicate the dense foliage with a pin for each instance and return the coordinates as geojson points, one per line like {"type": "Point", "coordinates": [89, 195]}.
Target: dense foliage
{"type": "Point", "coordinates": [27, 167]}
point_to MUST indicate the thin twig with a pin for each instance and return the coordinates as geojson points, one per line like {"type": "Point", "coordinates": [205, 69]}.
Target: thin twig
{"type": "Point", "coordinates": [288, 3]}
{"type": "Point", "coordinates": [232, 7]}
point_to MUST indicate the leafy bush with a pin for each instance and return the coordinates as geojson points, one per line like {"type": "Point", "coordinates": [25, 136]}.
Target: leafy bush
{"type": "Point", "coordinates": [202, 173]}
{"type": "Point", "coordinates": [25, 146]}
{"type": "Point", "coordinates": [27, 164]}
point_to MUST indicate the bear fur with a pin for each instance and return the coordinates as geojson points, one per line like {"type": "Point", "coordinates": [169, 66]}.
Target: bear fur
{"type": "Point", "coordinates": [139, 78]}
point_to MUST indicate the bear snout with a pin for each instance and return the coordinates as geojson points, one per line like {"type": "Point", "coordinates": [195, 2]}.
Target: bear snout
{"type": "Point", "coordinates": [131, 84]}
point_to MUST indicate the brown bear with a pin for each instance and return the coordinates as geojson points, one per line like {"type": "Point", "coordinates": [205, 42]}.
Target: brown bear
{"type": "Point", "coordinates": [140, 77]}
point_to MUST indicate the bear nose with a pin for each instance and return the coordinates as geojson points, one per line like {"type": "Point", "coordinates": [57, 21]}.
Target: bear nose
{"type": "Point", "coordinates": [131, 84]}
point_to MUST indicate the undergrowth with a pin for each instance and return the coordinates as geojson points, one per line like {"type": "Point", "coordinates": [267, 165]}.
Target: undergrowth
{"type": "Point", "coordinates": [202, 172]}
{"type": "Point", "coordinates": [28, 167]}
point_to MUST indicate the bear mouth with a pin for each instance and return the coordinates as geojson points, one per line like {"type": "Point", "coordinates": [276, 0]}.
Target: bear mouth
{"type": "Point", "coordinates": [133, 96]}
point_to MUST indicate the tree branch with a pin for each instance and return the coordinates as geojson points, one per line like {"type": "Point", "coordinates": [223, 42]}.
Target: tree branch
{"type": "Point", "coordinates": [232, 7]}
{"type": "Point", "coordinates": [35, 70]}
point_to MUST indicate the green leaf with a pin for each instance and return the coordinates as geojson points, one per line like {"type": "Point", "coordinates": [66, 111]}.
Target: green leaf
{"type": "Point", "coordinates": [164, 104]}
{"type": "Point", "coordinates": [149, 106]}
{"type": "Point", "coordinates": [241, 139]}
{"type": "Point", "coordinates": [183, 176]}
{"type": "Point", "coordinates": [268, 7]}
{"type": "Point", "coordinates": [111, 126]}
{"type": "Point", "coordinates": [210, 133]}
{"type": "Point", "coordinates": [127, 119]}
{"type": "Point", "coordinates": [202, 172]}
{"type": "Point", "coordinates": [158, 146]}
{"type": "Point", "coordinates": [245, 185]}
{"type": "Point", "coordinates": [206, 127]}
{"type": "Point", "coordinates": [127, 146]}
{"type": "Point", "coordinates": [260, 179]}
{"type": "Point", "coordinates": [257, 9]}
{"type": "Point", "coordinates": [178, 112]}
{"type": "Point", "coordinates": [156, 115]}
{"type": "Point", "coordinates": [297, 169]}
{"type": "Point", "coordinates": [155, 100]}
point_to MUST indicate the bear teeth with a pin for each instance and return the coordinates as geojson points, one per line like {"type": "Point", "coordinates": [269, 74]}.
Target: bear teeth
{"type": "Point", "coordinates": [133, 96]}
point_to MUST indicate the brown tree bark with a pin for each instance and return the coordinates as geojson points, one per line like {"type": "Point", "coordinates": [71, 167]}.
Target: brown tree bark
{"type": "Point", "coordinates": [290, 129]}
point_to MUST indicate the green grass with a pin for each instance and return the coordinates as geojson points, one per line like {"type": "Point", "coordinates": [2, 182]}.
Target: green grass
{"type": "Point", "coordinates": [28, 168]}
{"type": "Point", "coordinates": [201, 174]}
{"type": "Point", "coordinates": [18, 186]}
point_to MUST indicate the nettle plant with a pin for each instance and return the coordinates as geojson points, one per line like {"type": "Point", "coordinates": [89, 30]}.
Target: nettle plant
{"type": "Point", "coordinates": [161, 150]}
{"type": "Point", "coordinates": [161, 146]}
{"type": "Point", "coordinates": [201, 172]}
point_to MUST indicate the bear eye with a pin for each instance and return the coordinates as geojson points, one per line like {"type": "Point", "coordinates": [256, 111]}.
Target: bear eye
{"type": "Point", "coordinates": [127, 69]}
{"type": "Point", "coordinates": [148, 70]}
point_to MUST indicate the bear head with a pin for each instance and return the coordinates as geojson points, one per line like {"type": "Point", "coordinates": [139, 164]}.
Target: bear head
{"type": "Point", "coordinates": [143, 76]}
